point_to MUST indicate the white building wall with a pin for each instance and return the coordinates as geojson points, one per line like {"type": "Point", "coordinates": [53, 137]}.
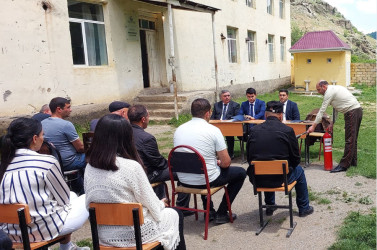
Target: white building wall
{"type": "Point", "coordinates": [195, 60]}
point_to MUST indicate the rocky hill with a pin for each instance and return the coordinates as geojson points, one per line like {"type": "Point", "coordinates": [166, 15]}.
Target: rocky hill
{"type": "Point", "coordinates": [316, 15]}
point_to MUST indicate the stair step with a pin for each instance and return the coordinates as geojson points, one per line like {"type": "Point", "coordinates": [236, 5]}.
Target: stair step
{"type": "Point", "coordinates": [160, 98]}
{"type": "Point", "coordinates": [159, 105]}
{"type": "Point", "coordinates": [160, 119]}
{"type": "Point", "coordinates": [154, 91]}
{"type": "Point", "coordinates": [162, 113]}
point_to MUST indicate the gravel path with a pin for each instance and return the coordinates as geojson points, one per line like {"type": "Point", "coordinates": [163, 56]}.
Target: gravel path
{"type": "Point", "coordinates": [340, 194]}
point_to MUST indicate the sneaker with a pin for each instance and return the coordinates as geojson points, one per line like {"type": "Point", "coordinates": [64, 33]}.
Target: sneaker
{"type": "Point", "coordinates": [270, 211]}
{"type": "Point", "coordinates": [224, 218]}
{"type": "Point", "coordinates": [306, 212]}
{"type": "Point", "coordinates": [75, 247]}
{"type": "Point", "coordinates": [212, 215]}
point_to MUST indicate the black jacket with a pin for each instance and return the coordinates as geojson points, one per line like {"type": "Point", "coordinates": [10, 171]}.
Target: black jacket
{"type": "Point", "coordinates": [273, 140]}
{"type": "Point", "coordinates": [147, 147]}
{"type": "Point", "coordinates": [231, 111]}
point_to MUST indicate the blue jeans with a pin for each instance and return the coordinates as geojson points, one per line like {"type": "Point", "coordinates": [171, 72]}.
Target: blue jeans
{"type": "Point", "coordinates": [302, 195]}
{"type": "Point", "coordinates": [234, 177]}
{"type": "Point", "coordinates": [79, 164]}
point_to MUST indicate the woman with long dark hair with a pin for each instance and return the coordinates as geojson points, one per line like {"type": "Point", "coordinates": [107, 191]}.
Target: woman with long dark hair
{"type": "Point", "coordinates": [35, 179]}
{"type": "Point", "coordinates": [115, 174]}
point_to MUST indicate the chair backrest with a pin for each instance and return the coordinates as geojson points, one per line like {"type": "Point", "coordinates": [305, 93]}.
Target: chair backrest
{"type": "Point", "coordinates": [17, 214]}
{"type": "Point", "coordinates": [189, 161]}
{"type": "Point", "coordinates": [116, 214]}
{"type": "Point", "coordinates": [87, 139]}
{"type": "Point", "coordinates": [48, 149]}
{"type": "Point", "coordinates": [266, 168]}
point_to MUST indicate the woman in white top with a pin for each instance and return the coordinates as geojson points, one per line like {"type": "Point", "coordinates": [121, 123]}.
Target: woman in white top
{"type": "Point", "coordinates": [31, 178]}
{"type": "Point", "coordinates": [114, 174]}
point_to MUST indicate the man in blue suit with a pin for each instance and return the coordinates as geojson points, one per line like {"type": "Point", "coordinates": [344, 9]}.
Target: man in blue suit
{"type": "Point", "coordinates": [225, 110]}
{"type": "Point", "coordinates": [290, 108]}
{"type": "Point", "coordinates": [253, 108]}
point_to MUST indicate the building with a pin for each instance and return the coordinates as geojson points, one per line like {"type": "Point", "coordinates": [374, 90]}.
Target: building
{"type": "Point", "coordinates": [96, 51]}
{"type": "Point", "coordinates": [321, 55]}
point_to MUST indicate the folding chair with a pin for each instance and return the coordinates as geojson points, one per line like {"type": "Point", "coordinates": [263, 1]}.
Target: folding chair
{"type": "Point", "coordinates": [190, 161]}
{"type": "Point", "coordinates": [277, 167]}
{"type": "Point", "coordinates": [48, 149]}
{"type": "Point", "coordinates": [118, 214]}
{"type": "Point", "coordinates": [87, 139]}
{"type": "Point", "coordinates": [19, 214]}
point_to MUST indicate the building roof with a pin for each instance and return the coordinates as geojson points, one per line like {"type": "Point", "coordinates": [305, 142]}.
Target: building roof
{"type": "Point", "coordinates": [182, 4]}
{"type": "Point", "coordinates": [318, 41]}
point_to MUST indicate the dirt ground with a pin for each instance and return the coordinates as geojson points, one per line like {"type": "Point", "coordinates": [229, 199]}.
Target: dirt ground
{"type": "Point", "coordinates": [335, 196]}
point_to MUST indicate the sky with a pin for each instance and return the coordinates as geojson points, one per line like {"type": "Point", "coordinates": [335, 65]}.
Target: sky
{"type": "Point", "coordinates": [362, 13]}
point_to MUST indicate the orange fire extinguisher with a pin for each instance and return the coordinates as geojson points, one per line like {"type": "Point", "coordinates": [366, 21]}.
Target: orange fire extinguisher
{"type": "Point", "coordinates": [327, 152]}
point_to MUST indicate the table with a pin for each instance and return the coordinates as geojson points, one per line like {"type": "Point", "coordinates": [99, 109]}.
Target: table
{"type": "Point", "coordinates": [228, 128]}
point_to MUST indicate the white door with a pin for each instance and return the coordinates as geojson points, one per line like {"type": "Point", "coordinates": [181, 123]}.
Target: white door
{"type": "Point", "coordinates": [153, 58]}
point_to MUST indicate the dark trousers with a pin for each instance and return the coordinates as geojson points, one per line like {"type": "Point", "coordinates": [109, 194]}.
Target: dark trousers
{"type": "Point", "coordinates": [302, 195]}
{"type": "Point", "coordinates": [352, 120]}
{"type": "Point", "coordinates": [182, 243]}
{"type": "Point", "coordinates": [183, 200]}
{"type": "Point", "coordinates": [230, 144]}
{"type": "Point", "coordinates": [77, 180]}
{"type": "Point", "coordinates": [234, 177]}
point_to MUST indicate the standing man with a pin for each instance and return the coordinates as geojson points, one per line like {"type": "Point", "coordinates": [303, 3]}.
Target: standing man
{"type": "Point", "coordinates": [62, 134]}
{"type": "Point", "coordinates": [225, 110]}
{"type": "Point", "coordinates": [290, 108]}
{"type": "Point", "coordinates": [342, 101]}
{"type": "Point", "coordinates": [154, 162]}
{"type": "Point", "coordinates": [208, 140]}
{"type": "Point", "coordinates": [273, 140]}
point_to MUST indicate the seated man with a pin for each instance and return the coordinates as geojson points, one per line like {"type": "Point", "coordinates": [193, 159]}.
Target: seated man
{"type": "Point", "coordinates": [290, 108]}
{"type": "Point", "coordinates": [273, 140]}
{"type": "Point", "coordinates": [210, 143]}
{"type": "Point", "coordinates": [44, 113]}
{"type": "Point", "coordinates": [225, 110]}
{"type": "Point", "coordinates": [116, 107]}
{"type": "Point", "coordinates": [62, 134]}
{"type": "Point", "coordinates": [253, 108]}
{"type": "Point", "coordinates": [154, 162]}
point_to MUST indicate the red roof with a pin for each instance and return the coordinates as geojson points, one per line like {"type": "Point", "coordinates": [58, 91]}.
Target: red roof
{"type": "Point", "coordinates": [319, 41]}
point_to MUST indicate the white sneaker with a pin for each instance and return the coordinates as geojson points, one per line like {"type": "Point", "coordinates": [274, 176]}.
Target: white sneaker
{"type": "Point", "coordinates": [75, 247]}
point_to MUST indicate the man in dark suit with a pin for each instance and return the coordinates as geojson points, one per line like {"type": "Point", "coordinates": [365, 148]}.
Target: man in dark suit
{"type": "Point", "coordinates": [253, 108]}
{"type": "Point", "coordinates": [290, 108]}
{"type": "Point", "coordinates": [273, 140]}
{"type": "Point", "coordinates": [225, 110]}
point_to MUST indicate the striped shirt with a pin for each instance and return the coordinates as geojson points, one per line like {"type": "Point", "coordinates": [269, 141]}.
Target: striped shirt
{"type": "Point", "coordinates": [36, 180]}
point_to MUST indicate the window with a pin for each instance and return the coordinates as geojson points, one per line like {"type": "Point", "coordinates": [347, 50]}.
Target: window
{"type": "Point", "coordinates": [232, 44]}
{"type": "Point", "coordinates": [87, 29]}
{"type": "Point", "coordinates": [250, 3]}
{"type": "Point", "coordinates": [282, 48]}
{"type": "Point", "coordinates": [281, 9]}
{"type": "Point", "coordinates": [271, 48]}
{"type": "Point", "coordinates": [146, 24]}
{"type": "Point", "coordinates": [251, 45]}
{"type": "Point", "coordinates": [270, 6]}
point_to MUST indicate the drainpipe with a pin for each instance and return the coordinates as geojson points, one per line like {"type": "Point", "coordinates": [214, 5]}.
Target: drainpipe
{"type": "Point", "coordinates": [215, 57]}
{"type": "Point", "coordinates": [172, 59]}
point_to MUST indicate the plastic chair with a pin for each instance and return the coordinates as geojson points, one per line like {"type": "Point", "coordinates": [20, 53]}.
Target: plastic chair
{"type": "Point", "coordinates": [118, 214]}
{"type": "Point", "coordinates": [19, 214]}
{"type": "Point", "coordinates": [190, 161]}
{"type": "Point", "coordinates": [277, 167]}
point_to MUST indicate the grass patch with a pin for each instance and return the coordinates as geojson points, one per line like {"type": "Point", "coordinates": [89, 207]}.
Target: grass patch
{"type": "Point", "coordinates": [323, 201]}
{"type": "Point", "coordinates": [85, 243]}
{"type": "Point", "coordinates": [358, 232]}
{"type": "Point", "coordinates": [181, 119]}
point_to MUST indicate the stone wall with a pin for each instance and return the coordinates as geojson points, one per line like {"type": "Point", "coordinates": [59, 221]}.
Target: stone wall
{"type": "Point", "coordinates": [363, 73]}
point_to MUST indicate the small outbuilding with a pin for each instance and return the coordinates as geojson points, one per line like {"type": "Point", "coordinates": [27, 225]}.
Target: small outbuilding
{"type": "Point", "coordinates": [321, 55]}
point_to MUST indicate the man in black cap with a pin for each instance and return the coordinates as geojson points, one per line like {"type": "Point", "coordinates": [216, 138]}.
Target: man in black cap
{"type": "Point", "coordinates": [116, 107]}
{"type": "Point", "coordinates": [273, 140]}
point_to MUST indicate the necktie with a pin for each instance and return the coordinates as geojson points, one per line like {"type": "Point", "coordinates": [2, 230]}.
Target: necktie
{"type": "Point", "coordinates": [224, 112]}
{"type": "Point", "coordinates": [251, 111]}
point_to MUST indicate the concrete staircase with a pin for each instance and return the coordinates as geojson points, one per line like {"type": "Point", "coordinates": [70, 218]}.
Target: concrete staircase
{"type": "Point", "coordinates": [160, 102]}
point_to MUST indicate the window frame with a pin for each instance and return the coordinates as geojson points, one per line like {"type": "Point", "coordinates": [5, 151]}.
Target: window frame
{"type": "Point", "coordinates": [232, 43]}
{"type": "Point", "coordinates": [271, 48]}
{"type": "Point", "coordinates": [251, 44]}
{"type": "Point", "coordinates": [84, 38]}
{"type": "Point", "coordinates": [250, 3]}
{"type": "Point", "coordinates": [282, 48]}
{"type": "Point", "coordinates": [270, 7]}
{"type": "Point", "coordinates": [282, 9]}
